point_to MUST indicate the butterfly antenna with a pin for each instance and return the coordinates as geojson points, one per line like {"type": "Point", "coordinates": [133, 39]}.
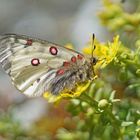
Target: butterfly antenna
{"type": "Point", "coordinates": [93, 45]}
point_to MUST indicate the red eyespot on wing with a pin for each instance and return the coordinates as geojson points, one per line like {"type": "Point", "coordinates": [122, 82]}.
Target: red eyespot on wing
{"type": "Point", "coordinates": [35, 62]}
{"type": "Point", "coordinates": [60, 72]}
{"type": "Point", "coordinates": [29, 42]}
{"type": "Point", "coordinates": [53, 50]}
{"type": "Point", "coordinates": [79, 56]}
{"type": "Point", "coordinates": [66, 64]}
{"type": "Point", "coordinates": [73, 59]}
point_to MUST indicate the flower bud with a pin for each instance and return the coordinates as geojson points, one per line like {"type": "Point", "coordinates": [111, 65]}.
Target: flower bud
{"type": "Point", "coordinates": [103, 104]}
{"type": "Point", "coordinates": [138, 133]}
{"type": "Point", "coordinates": [138, 122]}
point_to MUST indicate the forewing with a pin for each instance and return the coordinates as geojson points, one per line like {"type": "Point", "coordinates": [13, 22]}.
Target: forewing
{"type": "Point", "coordinates": [31, 63]}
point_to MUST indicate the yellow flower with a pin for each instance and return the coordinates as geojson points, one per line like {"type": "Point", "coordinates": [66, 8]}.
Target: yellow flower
{"type": "Point", "coordinates": [66, 93]}
{"type": "Point", "coordinates": [105, 52]}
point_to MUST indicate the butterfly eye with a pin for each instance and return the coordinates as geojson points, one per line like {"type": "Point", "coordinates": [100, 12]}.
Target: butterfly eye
{"type": "Point", "coordinates": [94, 60]}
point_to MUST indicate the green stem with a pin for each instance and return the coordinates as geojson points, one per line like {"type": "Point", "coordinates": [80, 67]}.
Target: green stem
{"type": "Point", "coordinates": [91, 132]}
{"type": "Point", "coordinates": [86, 98]}
{"type": "Point", "coordinates": [94, 104]}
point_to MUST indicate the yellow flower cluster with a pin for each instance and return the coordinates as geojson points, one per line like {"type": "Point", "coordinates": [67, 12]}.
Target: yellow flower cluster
{"type": "Point", "coordinates": [115, 18]}
{"type": "Point", "coordinates": [67, 94]}
{"type": "Point", "coordinates": [105, 52]}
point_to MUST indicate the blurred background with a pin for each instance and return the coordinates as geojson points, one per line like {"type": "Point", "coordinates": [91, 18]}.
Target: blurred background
{"type": "Point", "coordinates": [59, 21]}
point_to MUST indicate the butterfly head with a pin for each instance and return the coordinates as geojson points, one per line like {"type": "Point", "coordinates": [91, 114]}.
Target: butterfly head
{"type": "Point", "coordinates": [94, 60]}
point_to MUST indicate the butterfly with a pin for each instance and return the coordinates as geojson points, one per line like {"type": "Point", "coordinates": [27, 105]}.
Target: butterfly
{"type": "Point", "coordinates": [37, 66]}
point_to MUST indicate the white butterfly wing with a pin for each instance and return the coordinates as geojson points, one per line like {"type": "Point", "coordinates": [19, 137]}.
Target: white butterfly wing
{"type": "Point", "coordinates": [32, 63]}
